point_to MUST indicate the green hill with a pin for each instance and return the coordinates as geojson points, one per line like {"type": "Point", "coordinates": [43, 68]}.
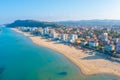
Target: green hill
{"type": "Point", "coordinates": [31, 23]}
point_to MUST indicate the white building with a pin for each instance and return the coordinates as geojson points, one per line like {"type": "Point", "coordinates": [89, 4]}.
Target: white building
{"type": "Point", "coordinates": [26, 29]}
{"type": "Point", "coordinates": [64, 37]}
{"type": "Point", "coordinates": [34, 29]}
{"type": "Point", "coordinates": [46, 31]}
{"type": "Point", "coordinates": [53, 34]}
{"type": "Point", "coordinates": [118, 47]}
{"type": "Point", "coordinates": [73, 38]}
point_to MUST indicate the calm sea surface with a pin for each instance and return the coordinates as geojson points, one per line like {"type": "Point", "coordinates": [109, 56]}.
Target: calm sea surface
{"type": "Point", "coordinates": [20, 59]}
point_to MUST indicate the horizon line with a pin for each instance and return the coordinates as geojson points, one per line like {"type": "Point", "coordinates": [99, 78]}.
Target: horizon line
{"type": "Point", "coordinates": [61, 20]}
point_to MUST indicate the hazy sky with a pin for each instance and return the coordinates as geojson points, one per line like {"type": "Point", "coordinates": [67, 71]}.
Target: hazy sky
{"type": "Point", "coordinates": [57, 10]}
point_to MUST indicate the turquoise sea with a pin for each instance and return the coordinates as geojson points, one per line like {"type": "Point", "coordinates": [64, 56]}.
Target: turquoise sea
{"type": "Point", "coordinates": [21, 59]}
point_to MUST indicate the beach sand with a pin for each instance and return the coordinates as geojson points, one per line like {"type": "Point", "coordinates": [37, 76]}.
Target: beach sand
{"type": "Point", "coordinates": [88, 63]}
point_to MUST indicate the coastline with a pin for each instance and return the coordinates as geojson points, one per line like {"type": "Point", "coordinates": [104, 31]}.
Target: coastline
{"type": "Point", "coordinates": [89, 64]}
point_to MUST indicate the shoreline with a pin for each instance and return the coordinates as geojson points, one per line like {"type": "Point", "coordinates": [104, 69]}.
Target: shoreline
{"type": "Point", "coordinates": [89, 64]}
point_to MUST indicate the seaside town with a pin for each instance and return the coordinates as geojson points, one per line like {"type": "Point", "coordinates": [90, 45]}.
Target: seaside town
{"type": "Point", "coordinates": [105, 40]}
{"type": "Point", "coordinates": [60, 40]}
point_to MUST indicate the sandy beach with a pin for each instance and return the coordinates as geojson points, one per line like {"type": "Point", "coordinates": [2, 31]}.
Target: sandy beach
{"type": "Point", "coordinates": [89, 63]}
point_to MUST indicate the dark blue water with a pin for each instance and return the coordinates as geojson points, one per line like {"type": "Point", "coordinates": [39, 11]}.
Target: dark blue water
{"type": "Point", "coordinates": [24, 60]}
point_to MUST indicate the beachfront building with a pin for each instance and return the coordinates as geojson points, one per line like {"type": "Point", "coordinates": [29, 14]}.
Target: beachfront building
{"type": "Point", "coordinates": [34, 30]}
{"type": "Point", "coordinates": [72, 38]}
{"type": "Point", "coordinates": [64, 37]}
{"type": "Point", "coordinates": [93, 44]}
{"type": "Point", "coordinates": [25, 29]}
{"type": "Point", "coordinates": [83, 42]}
{"type": "Point", "coordinates": [118, 47]}
{"type": "Point", "coordinates": [109, 47]}
{"type": "Point", "coordinates": [41, 31]}
{"type": "Point", "coordinates": [46, 31]}
{"type": "Point", "coordinates": [78, 40]}
{"type": "Point", "coordinates": [53, 34]}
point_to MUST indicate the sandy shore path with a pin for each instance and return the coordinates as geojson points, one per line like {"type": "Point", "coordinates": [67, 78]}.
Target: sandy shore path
{"type": "Point", "coordinates": [88, 63]}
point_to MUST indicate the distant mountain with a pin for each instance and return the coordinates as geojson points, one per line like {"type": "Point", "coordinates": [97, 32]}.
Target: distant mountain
{"type": "Point", "coordinates": [31, 23]}
{"type": "Point", "coordinates": [90, 22]}
{"type": "Point", "coordinates": [34, 23]}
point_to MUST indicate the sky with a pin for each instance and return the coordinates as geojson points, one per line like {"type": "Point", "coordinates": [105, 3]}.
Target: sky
{"type": "Point", "coordinates": [58, 10]}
